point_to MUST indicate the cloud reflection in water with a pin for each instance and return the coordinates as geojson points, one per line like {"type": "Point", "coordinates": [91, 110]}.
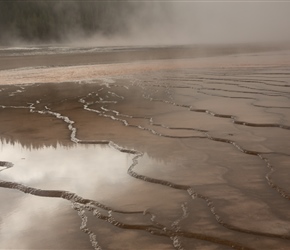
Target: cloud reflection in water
{"type": "Point", "coordinates": [89, 171]}
{"type": "Point", "coordinates": [82, 169]}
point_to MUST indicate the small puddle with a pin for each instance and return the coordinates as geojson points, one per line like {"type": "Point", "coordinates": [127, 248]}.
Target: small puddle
{"type": "Point", "coordinates": [82, 169]}
{"type": "Point", "coordinates": [90, 171]}
{"type": "Point", "coordinates": [77, 187]}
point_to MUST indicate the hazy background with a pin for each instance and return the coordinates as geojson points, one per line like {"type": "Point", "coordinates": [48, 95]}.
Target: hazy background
{"type": "Point", "coordinates": [143, 22]}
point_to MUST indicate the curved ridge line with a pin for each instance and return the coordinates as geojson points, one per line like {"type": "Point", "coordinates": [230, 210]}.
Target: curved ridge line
{"type": "Point", "coordinates": [270, 182]}
{"type": "Point", "coordinates": [161, 230]}
{"type": "Point", "coordinates": [125, 122]}
{"type": "Point", "coordinates": [214, 114]}
{"type": "Point", "coordinates": [282, 192]}
{"type": "Point", "coordinates": [194, 195]}
{"type": "Point", "coordinates": [66, 195]}
{"type": "Point", "coordinates": [66, 119]}
{"type": "Point", "coordinates": [84, 228]}
{"type": "Point", "coordinates": [91, 205]}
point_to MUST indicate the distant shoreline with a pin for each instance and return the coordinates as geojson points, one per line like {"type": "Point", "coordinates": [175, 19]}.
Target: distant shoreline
{"type": "Point", "coordinates": [133, 54]}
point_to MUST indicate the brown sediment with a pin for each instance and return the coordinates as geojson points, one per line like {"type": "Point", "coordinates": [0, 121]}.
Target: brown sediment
{"type": "Point", "coordinates": [71, 67]}
{"type": "Point", "coordinates": [134, 55]}
{"type": "Point", "coordinates": [215, 135]}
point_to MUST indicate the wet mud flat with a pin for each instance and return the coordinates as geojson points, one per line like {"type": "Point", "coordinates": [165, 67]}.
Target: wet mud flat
{"type": "Point", "coordinates": [174, 155]}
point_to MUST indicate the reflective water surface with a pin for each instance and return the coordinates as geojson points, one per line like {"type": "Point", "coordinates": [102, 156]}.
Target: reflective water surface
{"type": "Point", "coordinates": [173, 156]}
{"type": "Point", "coordinates": [80, 169]}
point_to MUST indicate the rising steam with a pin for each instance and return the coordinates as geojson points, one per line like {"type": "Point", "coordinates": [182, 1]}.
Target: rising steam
{"type": "Point", "coordinates": [143, 22]}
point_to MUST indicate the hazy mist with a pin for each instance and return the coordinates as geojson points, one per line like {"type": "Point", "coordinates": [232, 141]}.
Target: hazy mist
{"type": "Point", "coordinates": [162, 23]}
{"type": "Point", "coordinates": [236, 21]}
{"type": "Point", "coordinates": [216, 22]}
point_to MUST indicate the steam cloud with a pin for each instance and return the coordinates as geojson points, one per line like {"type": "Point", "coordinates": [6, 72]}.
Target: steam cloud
{"type": "Point", "coordinates": [143, 23]}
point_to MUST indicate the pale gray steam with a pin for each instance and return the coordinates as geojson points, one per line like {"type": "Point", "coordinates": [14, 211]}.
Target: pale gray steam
{"type": "Point", "coordinates": [186, 22]}
{"type": "Point", "coordinates": [240, 21]}
{"type": "Point", "coordinates": [179, 22]}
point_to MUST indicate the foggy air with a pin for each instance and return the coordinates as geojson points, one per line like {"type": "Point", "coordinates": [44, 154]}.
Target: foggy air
{"type": "Point", "coordinates": [155, 22]}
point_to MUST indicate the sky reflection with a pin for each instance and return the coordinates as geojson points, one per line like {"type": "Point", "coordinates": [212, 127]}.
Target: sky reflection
{"type": "Point", "coordinates": [88, 171]}
{"type": "Point", "coordinates": [81, 169]}
{"type": "Point", "coordinates": [91, 171]}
